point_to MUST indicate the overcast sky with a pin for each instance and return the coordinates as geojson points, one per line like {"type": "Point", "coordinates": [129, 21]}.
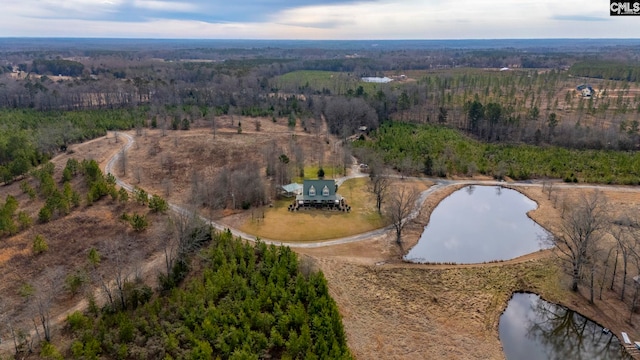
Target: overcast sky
{"type": "Point", "coordinates": [315, 19]}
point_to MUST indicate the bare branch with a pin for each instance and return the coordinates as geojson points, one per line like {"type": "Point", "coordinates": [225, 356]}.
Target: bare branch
{"type": "Point", "coordinates": [399, 207]}
{"type": "Point", "coordinates": [582, 228]}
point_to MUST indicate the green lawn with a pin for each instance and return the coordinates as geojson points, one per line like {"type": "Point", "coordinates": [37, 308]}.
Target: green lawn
{"type": "Point", "coordinates": [311, 172]}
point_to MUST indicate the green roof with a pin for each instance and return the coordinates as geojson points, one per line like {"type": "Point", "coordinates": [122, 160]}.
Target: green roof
{"type": "Point", "coordinates": [319, 191]}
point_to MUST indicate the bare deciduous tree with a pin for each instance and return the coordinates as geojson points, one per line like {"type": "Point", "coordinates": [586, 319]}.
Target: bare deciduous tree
{"type": "Point", "coordinates": [347, 158]}
{"type": "Point", "coordinates": [398, 208]}
{"type": "Point", "coordinates": [582, 228]}
{"type": "Point", "coordinates": [626, 247]}
{"type": "Point", "coordinates": [119, 257]}
{"type": "Point", "coordinates": [214, 125]}
{"type": "Point", "coordinates": [168, 163]}
{"type": "Point", "coordinates": [43, 299]}
{"type": "Point", "coordinates": [605, 268]}
{"type": "Point", "coordinates": [137, 173]}
{"type": "Point", "coordinates": [379, 186]}
{"type": "Point", "coordinates": [167, 186]}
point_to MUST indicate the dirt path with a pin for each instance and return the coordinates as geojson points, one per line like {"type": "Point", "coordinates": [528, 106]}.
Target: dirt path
{"type": "Point", "coordinates": [350, 262]}
{"type": "Point", "coordinates": [355, 173]}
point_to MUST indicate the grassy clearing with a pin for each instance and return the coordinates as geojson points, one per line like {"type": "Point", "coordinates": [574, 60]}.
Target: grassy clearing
{"type": "Point", "coordinates": [311, 172]}
{"type": "Point", "coordinates": [335, 82]}
{"type": "Point", "coordinates": [278, 223]}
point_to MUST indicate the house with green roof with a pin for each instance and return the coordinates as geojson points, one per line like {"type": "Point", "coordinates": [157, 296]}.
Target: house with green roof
{"type": "Point", "coordinates": [319, 194]}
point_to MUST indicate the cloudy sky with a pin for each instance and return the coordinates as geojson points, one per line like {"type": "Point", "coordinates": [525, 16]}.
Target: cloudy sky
{"type": "Point", "coordinates": [315, 19]}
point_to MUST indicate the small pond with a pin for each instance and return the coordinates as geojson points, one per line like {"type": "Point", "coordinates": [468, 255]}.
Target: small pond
{"type": "Point", "coordinates": [532, 329]}
{"type": "Point", "coordinates": [479, 224]}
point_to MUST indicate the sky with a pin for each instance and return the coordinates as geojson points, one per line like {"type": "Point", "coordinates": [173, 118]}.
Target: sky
{"type": "Point", "coordinates": [315, 19]}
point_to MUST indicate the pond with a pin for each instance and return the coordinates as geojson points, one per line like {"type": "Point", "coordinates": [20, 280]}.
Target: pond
{"type": "Point", "coordinates": [531, 329]}
{"type": "Point", "coordinates": [479, 224]}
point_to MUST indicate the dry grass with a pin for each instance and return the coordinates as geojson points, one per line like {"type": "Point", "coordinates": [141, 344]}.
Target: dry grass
{"type": "Point", "coordinates": [417, 312]}
{"type": "Point", "coordinates": [390, 311]}
{"type": "Point", "coordinates": [196, 153]}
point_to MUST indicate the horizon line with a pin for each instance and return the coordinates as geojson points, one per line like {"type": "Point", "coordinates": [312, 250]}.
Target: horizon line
{"type": "Point", "coordinates": [293, 39]}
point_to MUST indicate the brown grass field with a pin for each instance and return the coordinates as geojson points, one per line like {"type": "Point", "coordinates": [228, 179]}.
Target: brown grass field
{"type": "Point", "coordinates": [308, 225]}
{"type": "Point", "coordinates": [313, 225]}
{"type": "Point", "coordinates": [390, 309]}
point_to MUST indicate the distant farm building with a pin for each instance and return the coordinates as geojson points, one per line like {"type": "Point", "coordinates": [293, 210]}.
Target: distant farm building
{"type": "Point", "coordinates": [319, 194]}
{"type": "Point", "coordinates": [586, 90]}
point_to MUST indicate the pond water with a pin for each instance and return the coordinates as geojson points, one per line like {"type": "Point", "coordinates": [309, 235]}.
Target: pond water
{"type": "Point", "coordinates": [532, 329]}
{"type": "Point", "coordinates": [479, 224]}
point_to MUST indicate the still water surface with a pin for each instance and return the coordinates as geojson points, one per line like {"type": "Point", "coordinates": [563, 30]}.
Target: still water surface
{"type": "Point", "coordinates": [479, 224]}
{"type": "Point", "coordinates": [534, 329]}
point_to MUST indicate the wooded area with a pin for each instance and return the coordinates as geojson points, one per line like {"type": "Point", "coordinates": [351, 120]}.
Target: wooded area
{"type": "Point", "coordinates": [245, 302]}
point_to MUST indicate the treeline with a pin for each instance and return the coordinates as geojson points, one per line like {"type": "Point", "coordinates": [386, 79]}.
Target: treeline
{"type": "Point", "coordinates": [517, 105]}
{"type": "Point", "coordinates": [57, 67]}
{"type": "Point", "coordinates": [126, 78]}
{"type": "Point", "coordinates": [440, 151]}
{"type": "Point", "coordinates": [609, 70]}
{"type": "Point", "coordinates": [249, 302]}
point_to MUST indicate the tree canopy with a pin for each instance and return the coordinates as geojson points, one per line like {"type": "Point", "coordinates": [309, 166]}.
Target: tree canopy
{"type": "Point", "coordinates": [249, 302]}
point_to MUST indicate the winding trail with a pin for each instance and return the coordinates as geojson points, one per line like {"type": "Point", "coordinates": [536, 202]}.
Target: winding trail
{"type": "Point", "coordinates": [355, 173]}
{"type": "Point", "coordinates": [238, 233]}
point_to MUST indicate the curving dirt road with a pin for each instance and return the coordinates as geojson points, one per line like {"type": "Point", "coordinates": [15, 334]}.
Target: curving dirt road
{"type": "Point", "coordinates": [355, 173]}
{"type": "Point", "coordinates": [156, 261]}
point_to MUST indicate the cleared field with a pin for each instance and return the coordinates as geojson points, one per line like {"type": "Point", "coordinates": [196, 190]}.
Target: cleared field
{"type": "Point", "coordinates": [335, 82]}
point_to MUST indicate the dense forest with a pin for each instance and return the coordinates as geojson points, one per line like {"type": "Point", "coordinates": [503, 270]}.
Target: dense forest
{"type": "Point", "coordinates": [247, 302]}
{"type": "Point", "coordinates": [610, 70]}
{"type": "Point", "coordinates": [440, 151]}
{"type": "Point", "coordinates": [56, 67]}
{"type": "Point", "coordinates": [30, 137]}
